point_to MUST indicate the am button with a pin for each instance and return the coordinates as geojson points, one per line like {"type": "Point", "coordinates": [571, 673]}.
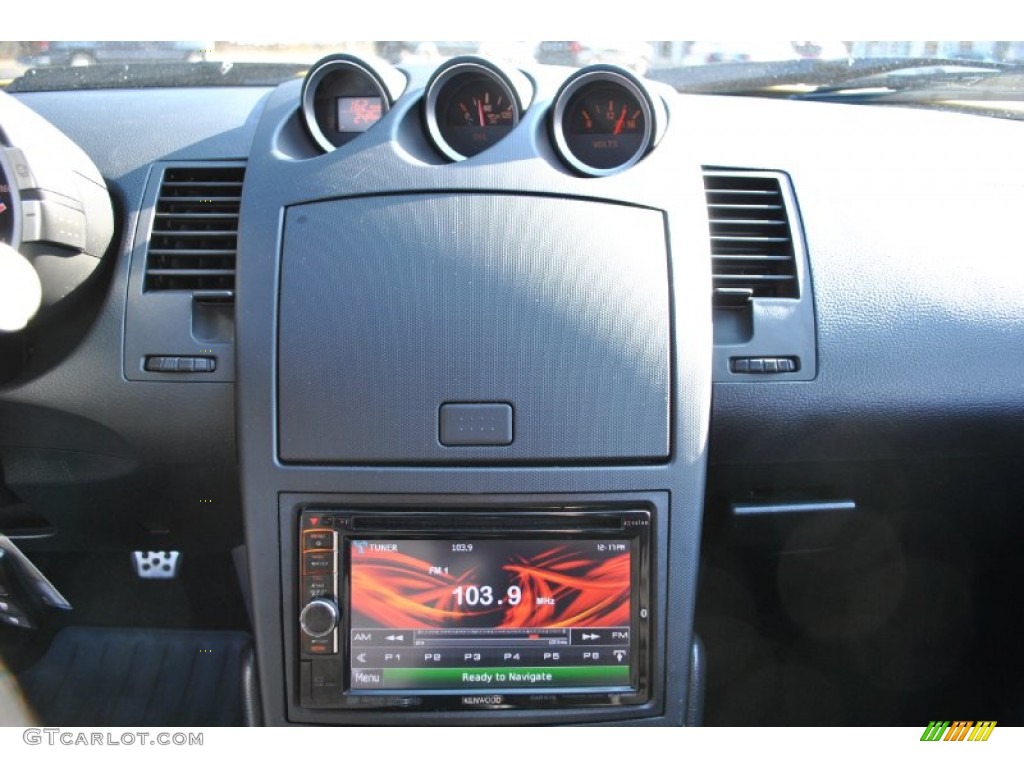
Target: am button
{"type": "Point", "coordinates": [475, 424]}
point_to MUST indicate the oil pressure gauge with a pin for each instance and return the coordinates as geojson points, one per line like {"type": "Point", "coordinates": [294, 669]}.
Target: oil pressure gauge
{"type": "Point", "coordinates": [603, 121]}
{"type": "Point", "coordinates": [471, 104]}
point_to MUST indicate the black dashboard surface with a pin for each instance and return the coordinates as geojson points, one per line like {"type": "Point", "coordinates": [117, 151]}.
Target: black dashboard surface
{"type": "Point", "coordinates": [915, 285]}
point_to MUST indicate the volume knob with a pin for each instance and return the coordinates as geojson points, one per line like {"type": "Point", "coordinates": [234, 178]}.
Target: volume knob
{"type": "Point", "coordinates": [319, 618]}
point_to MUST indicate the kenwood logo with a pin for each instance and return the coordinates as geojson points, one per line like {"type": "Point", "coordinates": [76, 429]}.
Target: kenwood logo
{"type": "Point", "coordinates": [471, 701]}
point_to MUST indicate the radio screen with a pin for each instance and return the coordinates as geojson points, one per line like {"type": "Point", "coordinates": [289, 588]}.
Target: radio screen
{"type": "Point", "coordinates": [501, 615]}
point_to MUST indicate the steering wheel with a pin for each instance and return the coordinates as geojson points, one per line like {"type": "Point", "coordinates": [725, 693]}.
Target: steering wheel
{"type": "Point", "coordinates": [56, 220]}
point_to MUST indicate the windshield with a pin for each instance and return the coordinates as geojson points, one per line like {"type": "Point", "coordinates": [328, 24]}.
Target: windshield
{"type": "Point", "coordinates": [709, 66]}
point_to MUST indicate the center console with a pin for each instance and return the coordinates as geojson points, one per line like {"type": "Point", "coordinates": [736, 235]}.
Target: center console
{"type": "Point", "coordinates": [473, 399]}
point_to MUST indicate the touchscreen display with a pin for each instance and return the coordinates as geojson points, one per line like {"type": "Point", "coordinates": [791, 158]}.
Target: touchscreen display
{"type": "Point", "coordinates": [501, 615]}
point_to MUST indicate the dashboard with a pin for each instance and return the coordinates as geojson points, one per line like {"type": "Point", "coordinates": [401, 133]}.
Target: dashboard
{"type": "Point", "coordinates": [533, 396]}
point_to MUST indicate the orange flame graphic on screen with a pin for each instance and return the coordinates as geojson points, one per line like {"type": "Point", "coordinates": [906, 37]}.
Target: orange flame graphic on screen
{"type": "Point", "coordinates": [559, 588]}
{"type": "Point", "coordinates": [398, 590]}
{"type": "Point", "coordinates": [563, 589]}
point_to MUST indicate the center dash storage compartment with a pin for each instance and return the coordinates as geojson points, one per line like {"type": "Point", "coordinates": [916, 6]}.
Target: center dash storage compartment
{"type": "Point", "coordinates": [394, 306]}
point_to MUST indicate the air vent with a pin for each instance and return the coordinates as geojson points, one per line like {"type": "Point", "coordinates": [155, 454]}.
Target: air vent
{"type": "Point", "coordinates": [194, 238]}
{"type": "Point", "coordinates": [752, 245]}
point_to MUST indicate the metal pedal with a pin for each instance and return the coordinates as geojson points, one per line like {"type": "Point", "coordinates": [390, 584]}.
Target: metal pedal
{"type": "Point", "coordinates": [156, 565]}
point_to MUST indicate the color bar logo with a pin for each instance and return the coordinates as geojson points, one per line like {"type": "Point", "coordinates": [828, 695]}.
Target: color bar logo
{"type": "Point", "coordinates": [959, 730]}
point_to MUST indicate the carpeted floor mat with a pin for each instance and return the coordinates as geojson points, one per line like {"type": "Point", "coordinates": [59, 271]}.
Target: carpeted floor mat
{"type": "Point", "coordinates": [93, 676]}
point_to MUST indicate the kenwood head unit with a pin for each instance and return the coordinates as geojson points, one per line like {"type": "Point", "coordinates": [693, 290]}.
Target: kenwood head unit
{"type": "Point", "coordinates": [437, 611]}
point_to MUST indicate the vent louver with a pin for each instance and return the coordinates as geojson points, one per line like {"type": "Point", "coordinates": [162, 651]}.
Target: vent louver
{"type": "Point", "coordinates": [752, 244]}
{"type": "Point", "coordinates": [193, 241]}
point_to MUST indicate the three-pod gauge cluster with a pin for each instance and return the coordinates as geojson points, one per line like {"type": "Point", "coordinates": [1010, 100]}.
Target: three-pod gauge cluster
{"type": "Point", "coordinates": [602, 120]}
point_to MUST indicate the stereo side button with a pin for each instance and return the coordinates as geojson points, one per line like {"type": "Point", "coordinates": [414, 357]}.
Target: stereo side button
{"type": "Point", "coordinates": [318, 540]}
{"type": "Point", "coordinates": [317, 585]}
{"type": "Point", "coordinates": [320, 646]}
{"type": "Point", "coordinates": [320, 561]}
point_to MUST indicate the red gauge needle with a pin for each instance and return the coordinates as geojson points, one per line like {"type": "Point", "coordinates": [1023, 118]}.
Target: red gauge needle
{"type": "Point", "coordinates": [622, 119]}
{"type": "Point", "coordinates": [480, 111]}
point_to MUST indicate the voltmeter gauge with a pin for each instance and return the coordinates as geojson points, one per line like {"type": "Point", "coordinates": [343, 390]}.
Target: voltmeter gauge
{"type": "Point", "coordinates": [602, 122]}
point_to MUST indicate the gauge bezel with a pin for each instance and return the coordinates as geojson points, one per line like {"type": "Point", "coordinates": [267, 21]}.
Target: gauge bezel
{"type": "Point", "coordinates": [601, 75]}
{"type": "Point", "coordinates": [444, 76]}
{"type": "Point", "coordinates": [15, 195]}
{"type": "Point", "coordinates": [363, 75]}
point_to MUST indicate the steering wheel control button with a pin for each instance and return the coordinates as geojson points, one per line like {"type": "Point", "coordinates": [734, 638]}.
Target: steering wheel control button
{"type": "Point", "coordinates": [156, 565]}
{"type": "Point", "coordinates": [764, 364]}
{"type": "Point", "coordinates": [475, 424]}
{"type": "Point", "coordinates": [53, 222]}
{"type": "Point", "coordinates": [31, 221]}
{"type": "Point", "coordinates": [22, 173]}
{"type": "Point", "coordinates": [319, 618]}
